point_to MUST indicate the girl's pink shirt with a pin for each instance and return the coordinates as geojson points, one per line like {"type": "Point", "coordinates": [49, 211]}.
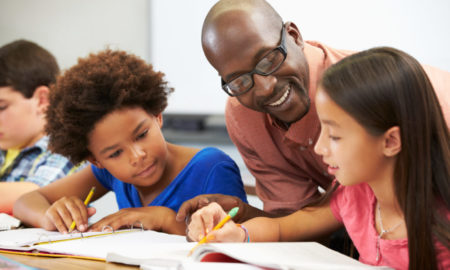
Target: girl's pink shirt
{"type": "Point", "coordinates": [354, 206]}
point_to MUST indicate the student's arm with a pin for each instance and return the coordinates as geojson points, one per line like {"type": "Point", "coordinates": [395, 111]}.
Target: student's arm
{"type": "Point", "coordinates": [11, 191]}
{"type": "Point", "coordinates": [56, 205]}
{"type": "Point", "coordinates": [157, 218]}
{"type": "Point", "coordinates": [307, 224]}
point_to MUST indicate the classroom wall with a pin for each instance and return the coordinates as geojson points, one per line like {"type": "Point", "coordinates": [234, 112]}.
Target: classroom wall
{"type": "Point", "coordinates": [167, 33]}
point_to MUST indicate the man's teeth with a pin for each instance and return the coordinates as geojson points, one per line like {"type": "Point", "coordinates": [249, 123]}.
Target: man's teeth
{"type": "Point", "coordinates": [282, 99]}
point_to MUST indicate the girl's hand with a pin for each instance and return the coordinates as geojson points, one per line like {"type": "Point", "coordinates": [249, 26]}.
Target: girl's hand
{"type": "Point", "coordinates": [64, 211]}
{"type": "Point", "coordinates": [204, 220]}
{"type": "Point", "coordinates": [157, 218]}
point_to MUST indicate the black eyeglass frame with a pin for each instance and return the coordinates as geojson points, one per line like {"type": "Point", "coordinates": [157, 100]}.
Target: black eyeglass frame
{"type": "Point", "coordinates": [281, 48]}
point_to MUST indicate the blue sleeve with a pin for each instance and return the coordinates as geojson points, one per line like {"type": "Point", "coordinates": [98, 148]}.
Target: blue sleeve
{"type": "Point", "coordinates": [103, 176]}
{"type": "Point", "coordinates": [225, 178]}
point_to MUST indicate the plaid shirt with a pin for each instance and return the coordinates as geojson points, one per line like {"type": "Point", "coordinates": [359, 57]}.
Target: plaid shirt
{"type": "Point", "coordinates": [38, 165]}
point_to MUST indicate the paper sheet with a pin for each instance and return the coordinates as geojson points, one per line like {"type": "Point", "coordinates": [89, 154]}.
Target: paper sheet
{"type": "Point", "coordinates": [8, 222]}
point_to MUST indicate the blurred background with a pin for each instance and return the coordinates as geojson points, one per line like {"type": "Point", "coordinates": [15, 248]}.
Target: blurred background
{"type": "Point", "coordinates": [166, 33]}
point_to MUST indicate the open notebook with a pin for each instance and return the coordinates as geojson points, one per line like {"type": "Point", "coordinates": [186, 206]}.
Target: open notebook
{"type": "Point", "coordinates": [151, 249]}
{"type": "Point", "coordinates": [92, 245]}
{"type": "Point", "coordinates": [286, 255]}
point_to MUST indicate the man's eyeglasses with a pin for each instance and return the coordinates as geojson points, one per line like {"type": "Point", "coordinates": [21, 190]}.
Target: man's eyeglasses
{"type": "Point", "coordinates": [266, 66]}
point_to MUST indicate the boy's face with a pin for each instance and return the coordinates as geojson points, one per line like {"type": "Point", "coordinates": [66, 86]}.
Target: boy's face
{"type": "Point", "coordinates": [352, 154]}
{"type": "Point", "coordinates": [21, 119]}
{"type": "Point", "coordinates": [130, 145]}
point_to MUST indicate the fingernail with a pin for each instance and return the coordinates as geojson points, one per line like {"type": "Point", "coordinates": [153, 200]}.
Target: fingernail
{"type": "Point", "coordinates": [82, 227]}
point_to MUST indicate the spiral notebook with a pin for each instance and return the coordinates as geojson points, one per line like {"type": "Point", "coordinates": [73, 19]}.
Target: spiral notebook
{"type": "Point", "coordinates": [92, 245]}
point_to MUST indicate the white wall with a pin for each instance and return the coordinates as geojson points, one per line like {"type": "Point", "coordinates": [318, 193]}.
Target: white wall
{"type": "Point", "coordinates": [73, 28]}
{"type": "Point", "coordinates": [167, 33]}
{"type": "Point", "coordinates": [418, 27]}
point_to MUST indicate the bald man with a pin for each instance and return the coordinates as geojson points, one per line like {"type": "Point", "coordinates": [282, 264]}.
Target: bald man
{"type": "Point", "coordinates": [271, 74]}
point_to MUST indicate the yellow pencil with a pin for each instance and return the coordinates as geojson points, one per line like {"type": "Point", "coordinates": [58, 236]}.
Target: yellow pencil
{"type": "Point", "coordinates": [219, 225]}
{"type": "Point", "coordinates": [86, 201]}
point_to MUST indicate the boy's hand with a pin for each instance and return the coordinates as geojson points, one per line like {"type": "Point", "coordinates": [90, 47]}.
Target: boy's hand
{"type": "Point", "coordinates": [64, 211]}
{"type": "Point", "coordinates": [204, 220]}
{"type": "Point", "coordinates": [157, 218]}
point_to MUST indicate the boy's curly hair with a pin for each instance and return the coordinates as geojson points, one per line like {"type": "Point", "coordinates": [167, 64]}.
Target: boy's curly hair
{"type": "Point", "coordinates": [93, 88]}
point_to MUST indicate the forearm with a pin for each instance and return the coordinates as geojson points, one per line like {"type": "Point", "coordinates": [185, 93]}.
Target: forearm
{"type": "Point", "coordinates": [170, 225]}
{"type": "Point", "coordinates": [11, 191]}
{"type": "Point", "coordinates": [308, 224]}
{"type": "Point", "coordinates": [250, 212]}
{"type": "Point", "coordinates": [303, 225]}
{"type": "Point", "coordinates": [30, 209]}
{"type": "Point", "coordinates": [263, 229]}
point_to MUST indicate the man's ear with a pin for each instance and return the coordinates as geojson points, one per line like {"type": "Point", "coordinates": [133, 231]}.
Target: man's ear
{"type": "Point", "coordinates": [95, 162]}
{"type": "Point", "coordinates": [392, 142]}
{"type": "Point", "coordinates": [41, 95]}
{"type": "Point", "coordinates": [292, 30]}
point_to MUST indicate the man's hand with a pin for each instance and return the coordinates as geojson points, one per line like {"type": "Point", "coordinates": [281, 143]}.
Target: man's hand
{"type": "Point", "coordinates": [227, 202]}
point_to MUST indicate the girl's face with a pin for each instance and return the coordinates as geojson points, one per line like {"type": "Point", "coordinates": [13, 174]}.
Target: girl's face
{"type": "Point", "coordinates": [129, 144]}
{"type": "Point", "coordinates": [351, 153]}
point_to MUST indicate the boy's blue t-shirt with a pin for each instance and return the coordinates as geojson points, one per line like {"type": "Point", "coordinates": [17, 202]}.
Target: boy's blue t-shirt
{"type": "Point", "coordinates": [209, 171]}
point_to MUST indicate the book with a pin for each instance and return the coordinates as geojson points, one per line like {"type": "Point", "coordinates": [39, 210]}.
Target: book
{"type": "Point", "coordinates": [8, 222]}
{"type": "Point", "coordinates": [273, 255]}
{"type": "Point", "coordinates": [91, 245]}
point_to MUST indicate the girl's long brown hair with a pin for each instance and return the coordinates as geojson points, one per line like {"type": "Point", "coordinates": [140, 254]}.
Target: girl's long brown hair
{"type": "Point", "coordinates": [385, 87]}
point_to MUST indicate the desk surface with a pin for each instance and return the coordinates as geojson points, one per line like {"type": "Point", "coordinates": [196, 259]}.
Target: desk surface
{"type": "Point", "coordinates": [65, 263]}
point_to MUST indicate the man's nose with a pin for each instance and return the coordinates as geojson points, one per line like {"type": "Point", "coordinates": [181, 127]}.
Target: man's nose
{"type": "Point", "coordinates": [264, 85]}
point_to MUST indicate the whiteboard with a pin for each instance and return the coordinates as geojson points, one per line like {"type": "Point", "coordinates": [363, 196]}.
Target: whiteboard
{"type": "Point", "coordinates": [167, 34]}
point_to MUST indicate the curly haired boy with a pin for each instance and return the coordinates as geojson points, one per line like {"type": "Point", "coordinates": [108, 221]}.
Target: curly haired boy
{"type": "Point", "coordinates": [107, 109]}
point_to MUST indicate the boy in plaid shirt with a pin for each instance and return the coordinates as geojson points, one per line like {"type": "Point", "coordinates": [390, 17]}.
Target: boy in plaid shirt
{"type": "Point", "coordinates": [26, 71]}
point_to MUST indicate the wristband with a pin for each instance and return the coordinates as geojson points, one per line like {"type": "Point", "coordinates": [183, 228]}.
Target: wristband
{"type": "Point", "coordinates": [247, 236]}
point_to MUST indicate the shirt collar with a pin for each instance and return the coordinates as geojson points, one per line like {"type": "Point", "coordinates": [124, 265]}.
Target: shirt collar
{"type": "Point", "coordinates": [41, 144]}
